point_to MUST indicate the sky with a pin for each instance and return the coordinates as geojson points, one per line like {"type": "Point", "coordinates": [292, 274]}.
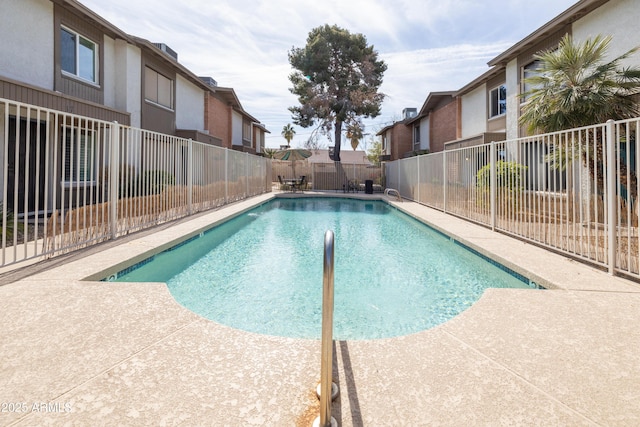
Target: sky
{"type": "Point", "coordinates": [428, 45]}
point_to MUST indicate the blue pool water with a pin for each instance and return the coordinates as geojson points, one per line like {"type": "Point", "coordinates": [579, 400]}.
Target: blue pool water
{"type": "Point", "coordinates": [262, 271]}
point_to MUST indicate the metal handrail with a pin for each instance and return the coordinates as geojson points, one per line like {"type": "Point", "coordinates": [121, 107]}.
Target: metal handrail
{"type": "Point", "coordinates": [326, 365]}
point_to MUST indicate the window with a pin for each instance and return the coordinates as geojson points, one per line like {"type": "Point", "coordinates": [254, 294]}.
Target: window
{"type": "Point", "coordinates": [79, 55]}
{"type": "Point", "coordinates": [158, 88]}
{"type": "Point", "coordinates": [79, 160]}
{"type": "Point", "coordinates": [529, 70]}
{"type": "Point", "coordinates": [498, 100]}
{"type": "Point", "coordinates": [416, 136]}
{"type": "Point", "coordinates": [246, 132]}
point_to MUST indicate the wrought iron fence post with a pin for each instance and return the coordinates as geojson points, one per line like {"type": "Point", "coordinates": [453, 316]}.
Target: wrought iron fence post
{"type": "Point", "coordinates": [114, 160]}
{"type": "Point", "coordinates": [246, 169]}
{"type": "Point", "coordinates": [419, 199]}
{"type": "Point", "coordinates": [611, 197]}
{"type": "Point", "coordinates": [226, 176]}
{"type": "Point", "coordinates": [444, 181]}
{"type": "Point", "coordinates": [190, 176]}
{"type": "Point", "coordinates": [492, 184]}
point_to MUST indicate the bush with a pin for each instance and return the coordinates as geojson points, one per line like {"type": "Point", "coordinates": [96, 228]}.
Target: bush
{"type": "Point", "coordinates": [154, 181]}
{"type": "Point", "coordinates": [508, 181]}
{"type": "Point", "coordinates": [9, 224]}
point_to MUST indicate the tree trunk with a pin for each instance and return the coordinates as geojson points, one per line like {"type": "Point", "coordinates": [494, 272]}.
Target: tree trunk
{"type": "Point", "coordinates": [338, 136]}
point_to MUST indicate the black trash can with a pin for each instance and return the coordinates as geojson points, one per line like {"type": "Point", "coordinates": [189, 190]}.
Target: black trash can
{"type": "Point", "coordinates": [368, 186]}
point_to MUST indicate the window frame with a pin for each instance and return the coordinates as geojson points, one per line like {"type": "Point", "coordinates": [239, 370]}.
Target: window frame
{"type": "Point", "coordinates": [495, 109]}
{"type": "Point", "coordinates": [77, 57]}
{"type": "Point", "coordinates": [246, 133]}
{"type": "Point", "coordinates": [170, 90]}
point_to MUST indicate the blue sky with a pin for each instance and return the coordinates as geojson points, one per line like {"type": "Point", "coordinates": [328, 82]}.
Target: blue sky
{"type": "Point", "coordinates": [428, 45]}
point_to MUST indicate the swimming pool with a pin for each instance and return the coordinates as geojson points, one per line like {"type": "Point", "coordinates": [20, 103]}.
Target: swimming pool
{"type": "Point", "coordinates": [262, 271]}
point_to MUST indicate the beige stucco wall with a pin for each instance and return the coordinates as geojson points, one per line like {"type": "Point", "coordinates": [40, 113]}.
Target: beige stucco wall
{"type": "Point", "coordinates": [513, 99]}
{"type": "Point", "coordinates": [618, 18]}
{"type": "Point", "coordinates": [126, 83]}
{"type": "Point", "coordinates": [474, 112]}
{"type": "Point", "coordinates": [109, 71]}
{"type": "Point", "coordinates": [189, 105]}
{"type": "Point", "coordinates": [26, 48]}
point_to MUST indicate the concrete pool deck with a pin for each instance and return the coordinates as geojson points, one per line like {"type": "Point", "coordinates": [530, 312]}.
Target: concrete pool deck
{"type": "Point", "coordinates": [76, 352]}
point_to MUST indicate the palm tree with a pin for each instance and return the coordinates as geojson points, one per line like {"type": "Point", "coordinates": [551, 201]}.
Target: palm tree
{"type": "Point", "coordinates": [269, 152]}
{"type": "Point", "coordinates": [354, 134]}
{"type": "Point", "coordinates": [288, 132]}
{"type": "Point", "coordinates": [574, 87]}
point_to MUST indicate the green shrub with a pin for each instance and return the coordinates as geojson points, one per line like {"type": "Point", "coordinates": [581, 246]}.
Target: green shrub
{"type": "Point", "coordinates": [508, 181]}
{"type": "Point", "coordinates": [9, 224]}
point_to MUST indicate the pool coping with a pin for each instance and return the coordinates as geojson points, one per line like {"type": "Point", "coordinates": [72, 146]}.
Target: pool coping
{"type": "Point", "coordinates": [561, 356]}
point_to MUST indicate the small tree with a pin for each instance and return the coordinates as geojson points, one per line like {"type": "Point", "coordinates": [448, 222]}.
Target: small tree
{"type": "Point", "coordinates": [375, 152]}
{"type": "Point", "coordinates": [336, 79]}
{"type": "Point", "coordinates": [269, 153]}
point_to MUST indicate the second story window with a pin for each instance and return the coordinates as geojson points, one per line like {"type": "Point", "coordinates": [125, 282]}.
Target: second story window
{"type": "Point", "coordinates": [79, 55]}
{"type": "Point", "coordinates": [158, 88]}
{"type": "Point", "coordinates": [498, 101]}
{"type": "Point", "coordinates": [528, 71]}
{"type": "Point", "coordinates": [246, 132]}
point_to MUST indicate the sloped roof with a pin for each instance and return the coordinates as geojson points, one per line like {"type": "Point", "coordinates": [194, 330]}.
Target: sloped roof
{"type": "Point", "coordinates": [433, 100]}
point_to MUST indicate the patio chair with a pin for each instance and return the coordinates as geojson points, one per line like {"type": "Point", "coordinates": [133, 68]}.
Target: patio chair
{"type": "Point", "coordinates": [303, 183]}
{"type": "Point", "coordinates": [283, 186]}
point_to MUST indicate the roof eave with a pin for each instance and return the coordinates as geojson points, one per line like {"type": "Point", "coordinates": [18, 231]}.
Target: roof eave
{"type": "Point", "coordinates": [572, 14]}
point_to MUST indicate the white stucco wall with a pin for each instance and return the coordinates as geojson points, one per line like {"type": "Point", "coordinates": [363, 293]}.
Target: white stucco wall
{"type": "Point", "coordinates": [474, 112]}
{"type": "Point", "coordinates": [109, 71]}
{"type": "Point", "coordinates": [127, 81]}
{"type": "Point", "coordinates": [236, 128]}
{"type": "Point", "coordinates": [26, 48]}
{"type": "Point", "coordinates": [190, 105]}
{"type": "Point", "coordinates": [618, 18]}
{"type": "Point", "coordinates": [513, 99]}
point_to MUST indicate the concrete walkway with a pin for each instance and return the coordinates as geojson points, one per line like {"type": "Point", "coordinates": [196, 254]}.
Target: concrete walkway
{"type": "Point", "coordinates": [76, 352]}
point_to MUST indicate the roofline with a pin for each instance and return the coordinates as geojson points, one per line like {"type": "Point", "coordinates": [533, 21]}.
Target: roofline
{"type": "Point", "coordinates": [483, 78]}
{"type": "Point", "coordinates": [88, 13]}
{"type": "Point", "coordinates": [229, 94]}
{"type": "Point", "coordinates": [432, 99]}
{"type": "Point", "coordinates": [146, 44]}
{"type": "Point", "coordinates": [569, 16]}
{"type": "Point", "coordinates": [134, 40]}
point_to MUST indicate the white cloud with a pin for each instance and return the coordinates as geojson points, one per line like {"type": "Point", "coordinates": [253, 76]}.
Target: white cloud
{"type": "Point", "coordinates": [429, 45]}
